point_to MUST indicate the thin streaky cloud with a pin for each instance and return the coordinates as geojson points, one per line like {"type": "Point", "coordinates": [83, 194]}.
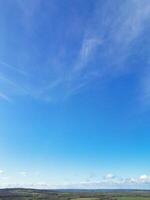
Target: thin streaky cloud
{"type": "Point", "coordinates": [87, 49]}
{"type": "Point", "coordinates": [77, 78]}
{"type": "Point", "coordinates": [5, 97]}
{"type": "Point", "coordinates": [104, 49]}
{"type": "Point", "coordinates": [13, 67]}
{"type": "Point", "coordinates": [50, 86]}
{"type": "Point", "coordinates": [14, 84]}
{"type": "Point", "coordinates": [112, 42]}
{"type": "Point", "coordinates": [7, 81]}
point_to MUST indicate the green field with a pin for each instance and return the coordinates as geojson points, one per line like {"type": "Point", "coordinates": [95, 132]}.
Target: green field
{"type": "Point", "coordinates": [133, 198]}
{"type": "Point", "coordinates": [116, 198]}
{"type": "Point", "coordinates": [32, 194]}
{"type": "Point", "coordinates": [87, 198]}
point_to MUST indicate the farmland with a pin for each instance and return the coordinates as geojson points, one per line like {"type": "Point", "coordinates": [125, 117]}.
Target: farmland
{"type": "Point", "coordinates": [33, 194]}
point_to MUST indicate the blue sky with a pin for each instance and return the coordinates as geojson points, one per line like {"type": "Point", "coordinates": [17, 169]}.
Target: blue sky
{"type": "Point", "coordinates": [75, 93]}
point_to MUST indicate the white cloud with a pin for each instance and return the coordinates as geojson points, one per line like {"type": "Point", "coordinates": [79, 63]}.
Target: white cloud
{"type": "Point", "coordinates": [144, 179]}
{"type": "Point", "coordinates": [111, 181]}
{"type": "Point", "coordinates": [141, 182]}
{"type": "Point", "coordinates": [109, 176]}
{"type": "Point", "coordinates": [23, 173]}
{"type": "Point", "coordinates": [1, 171]}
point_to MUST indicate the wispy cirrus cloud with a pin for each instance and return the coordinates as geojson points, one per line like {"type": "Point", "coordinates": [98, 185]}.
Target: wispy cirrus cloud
{"type": "Point", "coordinates": [13, 68]}
{"type": "Point", "coordinates": [4, 97]}
{"type": "Point", "coordinates": [87, 50]}
{"type": "Point", "coordinates": [105, 46]}
{"type": "Point", "coordinates": [113, 31]}
{"type": "Point", "coordinates": [12, 81]}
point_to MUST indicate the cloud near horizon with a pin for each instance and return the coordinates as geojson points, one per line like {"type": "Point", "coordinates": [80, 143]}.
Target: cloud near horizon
{"type": "Point", "coordinates": [107, 182]}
